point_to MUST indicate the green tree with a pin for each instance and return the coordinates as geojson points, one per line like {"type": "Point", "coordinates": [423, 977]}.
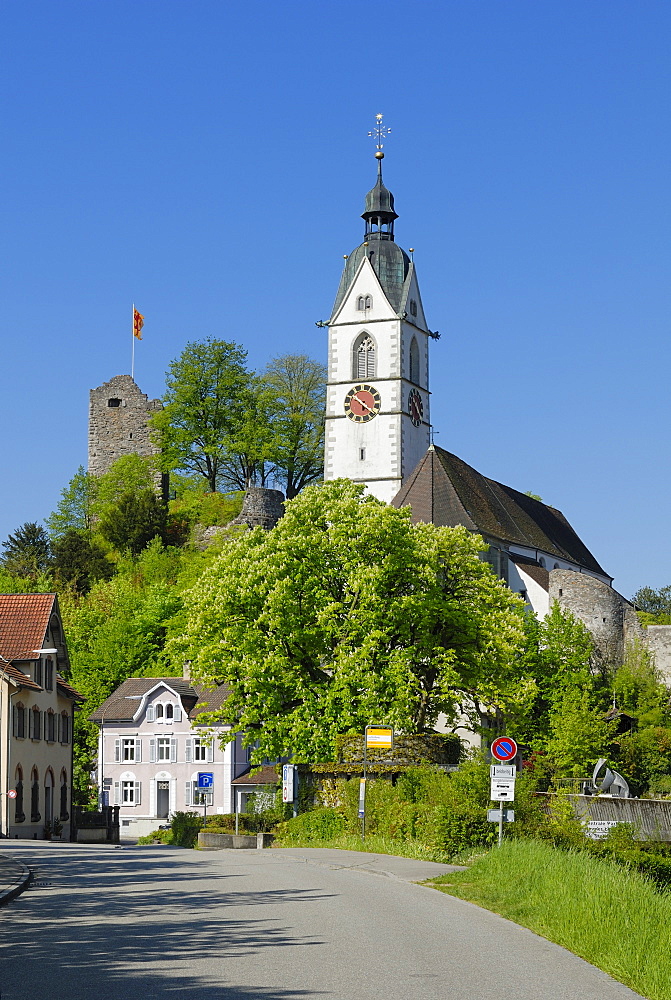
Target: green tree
{"type": "Point", "coordinates": [299, 387]}
{"type": "Point", "coordinates": [76, 506]}
{"type": "Point", "coordinates": [27, 552]}
{"type": "Point", "coordinates": [579, 734]}
{"type": "Point", "coordinates": [128, 474]}
{"type": "Point", "coordinates": [347, 613]}
{"type": "Point", "coordinates": [638, 687]}
{"type": "Point", "coordinates": [133, 521]}
{"type": "Point", "coordinates": [79, 560]}
{"type": "Point", "coordinates": [654, 606]}
{"type": "Point", "coordinates": [207, 398]}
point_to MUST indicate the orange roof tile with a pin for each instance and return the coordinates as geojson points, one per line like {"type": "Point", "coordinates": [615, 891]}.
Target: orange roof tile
{"type": "Point", "coordinates": [23, 624]}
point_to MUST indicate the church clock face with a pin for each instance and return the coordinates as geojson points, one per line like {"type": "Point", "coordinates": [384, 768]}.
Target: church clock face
{"type": "Point", "coordinates": [362, 403]}
{"type": "Point", "coordinates": [415, 407]}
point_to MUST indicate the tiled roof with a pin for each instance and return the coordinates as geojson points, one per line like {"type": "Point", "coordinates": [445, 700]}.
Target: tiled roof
{"type": "Point", "coordinates": [18, 676]}
{"type": "Point", "coordinates": [266, 776]}
{"type": "Point", "coordinates": [122, 704]}
{"type": "Point", "coordinates": [24, 619]}
{"type": "Point", "coordinates": [446, 491]}
{"type": "Point", "coordinates": [67, 690]}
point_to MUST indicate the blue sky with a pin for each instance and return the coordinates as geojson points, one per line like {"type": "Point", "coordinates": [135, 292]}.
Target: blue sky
{"type": "Point", "coordinates": [208, 161]}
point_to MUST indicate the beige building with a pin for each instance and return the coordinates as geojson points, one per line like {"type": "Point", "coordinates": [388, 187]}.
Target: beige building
{"type": "Point", "coordinates": [36, 718]}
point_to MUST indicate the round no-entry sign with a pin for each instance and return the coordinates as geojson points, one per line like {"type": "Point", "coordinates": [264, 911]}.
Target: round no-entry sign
{"type": "Point", "coordinates": [504, 748]}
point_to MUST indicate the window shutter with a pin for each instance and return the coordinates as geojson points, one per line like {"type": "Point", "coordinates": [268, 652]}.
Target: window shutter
{"type": "Point", "coordinates": [117, 793]}
{"type": "Point", "coordinates": [210, 752]}
{"type": "Point", "coordinates": [117, 751]}
{"type": "Point", "coordinates": [138, 751]}
{"type": "Point", "coordinates": [151, 713]}
{"type": "Point", "coordinates": [178, 713]}
{"type": "Point", "coordinates": [138, 787]}
{"type": "Point", "coordinates": [188, 750]}
{"type": "Point", "coordinates": [173, 750]}
{"type": "Point", "coordinates": [14, 711]}
{"type": "Point", "coordinates": [58, 729]}
{"type": "Point", "coordinates": [152, 751]}
{"type": "Point", "coordinates": [187, 793]}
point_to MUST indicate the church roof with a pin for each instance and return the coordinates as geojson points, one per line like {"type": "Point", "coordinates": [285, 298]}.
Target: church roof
{"type": "Point", "coordinates": [390, 263]}
{"type": "Point", "coordinates": [445, 491]}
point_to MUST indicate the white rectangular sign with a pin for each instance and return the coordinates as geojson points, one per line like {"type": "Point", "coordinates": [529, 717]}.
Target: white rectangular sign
{"type": "Point", "coordinates": [494, 815]}
{"type": "Point", "coordinates": [598, 828]}
{"type": "Point", "coordinates": [502, 790]}
{"type": "Point", "coordinates": [287, 783]}
{"type": "Point", "coordinates": [502, 771]}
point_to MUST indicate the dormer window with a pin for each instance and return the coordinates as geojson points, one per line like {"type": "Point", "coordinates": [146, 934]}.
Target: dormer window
{"type": "Point", "coordinates": [49, 674]}
{"type": "Point", "coordinates": [169, 713]}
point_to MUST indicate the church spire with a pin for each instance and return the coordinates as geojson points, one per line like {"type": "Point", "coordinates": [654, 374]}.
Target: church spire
{"type": "Point", "coordinates": [379, 213]}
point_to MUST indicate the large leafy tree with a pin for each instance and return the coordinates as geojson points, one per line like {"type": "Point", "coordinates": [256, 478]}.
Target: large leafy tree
{"type": "Point", "coordinates": [207, 397]}
{"type": "Point", "coordinates": [134, 521]}
{"type": "Point", "coordinates": [75, 509]}
{"type": "Point", "coordinates": [27, 552]}
{"type": "Point", "coordinates": [346, 613]}
{"type": "Point", "coordinates": [299, 387]}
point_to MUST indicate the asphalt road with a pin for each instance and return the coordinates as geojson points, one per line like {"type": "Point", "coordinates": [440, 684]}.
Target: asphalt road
{"type": "Point", "coordinates": [142, 923]}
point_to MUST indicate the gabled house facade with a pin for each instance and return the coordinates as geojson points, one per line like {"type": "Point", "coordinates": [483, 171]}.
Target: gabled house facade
{"type": "Point", "coordinates": [37, 709]}
{"type": "Point", "coordinates": [151, 748]}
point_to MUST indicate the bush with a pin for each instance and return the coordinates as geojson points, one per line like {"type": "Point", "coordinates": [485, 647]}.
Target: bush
{"type": "Point", "coordinates": [184, 829]}
{"type": "Point", "coordinates": [320, 824]}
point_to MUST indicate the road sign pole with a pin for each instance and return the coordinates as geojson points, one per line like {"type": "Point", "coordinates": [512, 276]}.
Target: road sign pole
{"type": "Point", "coordinates": [500, 823]}
{"type": "Point", "coordinates": [362, 792]}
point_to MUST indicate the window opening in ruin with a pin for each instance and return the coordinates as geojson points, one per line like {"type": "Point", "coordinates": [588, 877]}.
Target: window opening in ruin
{"type": "Point", "coordinates": [114, 402]}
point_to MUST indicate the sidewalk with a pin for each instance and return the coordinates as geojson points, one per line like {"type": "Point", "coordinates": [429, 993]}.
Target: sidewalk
{"type": "Point", "coordinates": [405, 869]}
{"type": "Point", "coordinates": [14, 877]}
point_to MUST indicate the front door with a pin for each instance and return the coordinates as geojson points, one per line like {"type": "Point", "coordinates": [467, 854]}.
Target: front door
{"type": "Point", "coordinates": [162, 799]}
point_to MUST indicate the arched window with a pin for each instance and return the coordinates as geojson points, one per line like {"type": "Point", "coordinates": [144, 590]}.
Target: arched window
{"type": "Point", "coordinates": [542, 562]}
{"type": "Point", "coordinates": [361, 303]}
{"type": "Point", "coordinates": [169, 712]}
{"type": "Point", "coordinates": [19, 814]}
{"type": "Point", "coordinates": [35, 816]}
{"type": "Point", "coordinates": [368, 302]}
{"type": "Point", "coordinates": [49, 674]}
{"type": "Point", "coordinates": [159, 712]}
{"type": "Point", "coordinates": [64, 814]}
{"type": "Point", "coordinates": [50, 727]}
{"type": "Point", "coordinates": [20, 721]}
{"type": "Point", "coordinates": [364, 357]}
{"type": "Point", "coordinates": [49, 796]}
{"type": "Point", "coordinates": [35, 723]}
{"type": "Point", "coordinates": [414, 361]}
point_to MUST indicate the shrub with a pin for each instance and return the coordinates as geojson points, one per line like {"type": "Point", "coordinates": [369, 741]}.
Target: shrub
{"type": "Point", "coordinates": [184, 829]}
{"type": "Point", "coordinates": [320, 824]}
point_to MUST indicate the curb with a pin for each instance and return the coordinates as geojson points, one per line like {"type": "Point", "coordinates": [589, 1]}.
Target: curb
{"type": "Point", "coordinates": [22, 879]}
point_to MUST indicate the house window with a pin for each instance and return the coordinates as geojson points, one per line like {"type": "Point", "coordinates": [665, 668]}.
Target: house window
{"type": "Point", "coordinates": [128, 793]}
{"type": "Point", "coordinates": [64, 814]}
{"type": "Point", "coordinates": [50, 728]}
{"type": "Point", "coordinates": [163, 748]}
{"type": "Point", "coordinates": [35, 724]}
{"type": "Point", "coordinates": [35, 797]}
{"type": "Point", "coordinates": [159, 713]}
{"type": "Point", "coordinates": [130, 749]}
{"type": "Point", "coordinates": [414, 361]}
{"type": "Point", "coordinates": [194, 797]}
{"type": "Point", "coordinates": [65, 727]}
{"type": "Point", "coordinates": [202, 749]}
{"type": "Point", "coordinates": [19, 815]}
{"type": "Point", "coordinates": [20, 721]}
{"type": "Point", "coordinates": [37, 674]}
{"type": "Point", "coordinates": [169, 713]}
{"type": "Point", "coordinates": [49, 674]}
{"type": "Point", "coordinates": [364, 357]}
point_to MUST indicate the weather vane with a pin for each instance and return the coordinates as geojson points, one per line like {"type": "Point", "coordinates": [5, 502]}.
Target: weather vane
{"type": "Point", "coordinates": [379, 133]}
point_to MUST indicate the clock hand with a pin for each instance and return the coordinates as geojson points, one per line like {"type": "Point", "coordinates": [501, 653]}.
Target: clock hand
{"type": "Point", "coordinates": [365, 405]}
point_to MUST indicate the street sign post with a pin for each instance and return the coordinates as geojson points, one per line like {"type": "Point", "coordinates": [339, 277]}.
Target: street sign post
{"type": "Point", "coordinates": [502, 779]}
{"type": "Point", "coordinates": [205, 785]}
{"type": "Point", "coordinates": [289, 782]}
{"type": "Point", "coordinates": [376, 737]}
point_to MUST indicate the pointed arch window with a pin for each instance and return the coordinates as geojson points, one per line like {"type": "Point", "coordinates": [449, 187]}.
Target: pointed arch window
{"type": "Point", "coordinates": [414, 361]}
{"type": "Point", "coordinates": [19, 814]}
{"type": "Point", "coordinates": [364, 357]}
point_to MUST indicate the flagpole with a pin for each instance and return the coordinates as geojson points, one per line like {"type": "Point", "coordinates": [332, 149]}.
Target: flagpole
{"type": "Point", "coordinates": [132, 335]}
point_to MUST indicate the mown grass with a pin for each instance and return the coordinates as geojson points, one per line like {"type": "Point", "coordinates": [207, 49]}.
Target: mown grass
{"type": "Point", "coordinates": [373, 844]}
{"type": "Point", "coordinates": [612, 917]}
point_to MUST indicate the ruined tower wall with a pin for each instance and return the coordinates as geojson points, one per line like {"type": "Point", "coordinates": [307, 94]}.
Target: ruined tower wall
{"type": "Point", "coordinates": [119, 424]}
{"type": "Point", "coordinates": [595, 604]}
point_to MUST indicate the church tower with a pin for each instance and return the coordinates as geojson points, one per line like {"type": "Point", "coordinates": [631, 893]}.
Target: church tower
{"type": "Point", "coordinates": [377, 408]}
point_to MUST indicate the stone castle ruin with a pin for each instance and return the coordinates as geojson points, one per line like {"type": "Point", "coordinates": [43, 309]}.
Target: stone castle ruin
{"type": "Point", "coordinates": [119, 416]}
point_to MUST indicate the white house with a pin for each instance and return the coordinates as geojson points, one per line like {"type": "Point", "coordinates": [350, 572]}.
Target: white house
{"type": "Point", "coordinates": [151, 749]}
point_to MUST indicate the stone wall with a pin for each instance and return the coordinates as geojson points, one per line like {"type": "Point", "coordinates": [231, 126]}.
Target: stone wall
{"type": "Point", "coordinates": [261, 508]}
{"type": "Point", "coordinates": [595, 604]}
{"type": "Point", "coordinates": [119, 424]}
{"type": "Point", "coordinates": [658, 641]}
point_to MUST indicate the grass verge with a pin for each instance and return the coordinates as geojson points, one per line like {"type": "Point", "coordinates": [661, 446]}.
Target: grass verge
{"type": "Point", "coordinates": [373, 844]}
{"type": "Point", "coordinates": [612, 917]}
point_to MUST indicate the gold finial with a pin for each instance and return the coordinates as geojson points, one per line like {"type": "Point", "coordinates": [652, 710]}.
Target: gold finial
{"type": "Point", "coordinates": [379, 133]}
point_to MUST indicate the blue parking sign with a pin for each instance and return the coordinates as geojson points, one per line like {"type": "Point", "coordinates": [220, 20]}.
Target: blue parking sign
{"type": "Point", "coordinates": [205, 781]}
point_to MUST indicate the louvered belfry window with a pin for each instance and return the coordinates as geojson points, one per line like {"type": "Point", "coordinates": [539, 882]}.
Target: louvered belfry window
{"type": "Point", "coordinates": [364, 358]}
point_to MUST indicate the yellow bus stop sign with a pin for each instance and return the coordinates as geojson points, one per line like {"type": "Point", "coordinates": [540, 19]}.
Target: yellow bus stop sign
{"type": "Point", "coordinates": [379, 738]}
